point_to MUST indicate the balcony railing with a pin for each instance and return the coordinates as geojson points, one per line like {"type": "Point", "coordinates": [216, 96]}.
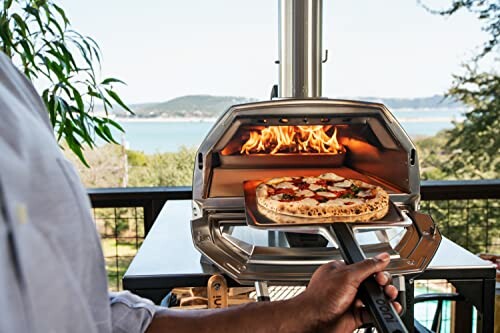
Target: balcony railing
{"type": "Point", "coordinates": [467, 212]}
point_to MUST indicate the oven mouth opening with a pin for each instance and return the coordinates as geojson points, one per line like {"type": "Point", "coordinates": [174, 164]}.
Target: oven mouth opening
{"type": "Point", "coordinates": [284, 140]}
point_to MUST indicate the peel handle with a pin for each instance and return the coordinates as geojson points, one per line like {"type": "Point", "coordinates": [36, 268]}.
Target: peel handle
{"type": "Point", "coordinates": [371, 294]}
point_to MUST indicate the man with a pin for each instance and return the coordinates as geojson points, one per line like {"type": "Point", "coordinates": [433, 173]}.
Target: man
{"type": "Point", "coordinates": [52, 272]}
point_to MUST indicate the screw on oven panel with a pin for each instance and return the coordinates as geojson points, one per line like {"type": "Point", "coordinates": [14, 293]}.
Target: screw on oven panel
{"type": "Point", "coordinates": [410, 262]}
{"type": "Point", "coordinates": [217, 286]}
{"type": "Point", "coordinates": [202, 238]}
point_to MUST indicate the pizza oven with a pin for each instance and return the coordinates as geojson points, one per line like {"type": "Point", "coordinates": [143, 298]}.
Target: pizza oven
{"type": "Point", "coordinates": [307, 137]}
{"type": "Point", "coordinates": [298, 133]}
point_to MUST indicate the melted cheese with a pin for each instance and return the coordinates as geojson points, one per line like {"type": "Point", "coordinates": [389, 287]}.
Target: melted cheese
{"type": "Point", "coordinates": [315, 187]}
{"type": "Point", "coordinates": [336, 188]}
{"type": "Point", "coordinates": [308, 201]}
{"type": "Point", "coordinates": [327, 194]}
{"type": "Point", "coordinates": [364, 194]}
{"type": "Point", "coordinates": [331, 176]}
{"type": "Point", "coordinates": [286, 185]}
{"type": "Point", "coordinates": [277, 197]}
{"type": "Point", "coordinates": [310, 180]}
{"type": "Point", "coordinates": [345, 183]}
{"type": "Point", "coordinates": [305, 193]}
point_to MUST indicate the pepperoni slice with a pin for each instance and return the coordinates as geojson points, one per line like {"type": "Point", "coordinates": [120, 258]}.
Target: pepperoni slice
{"type": "Point", "coordinates": [300, 184]}
{"type": "Point", "coordinates": [322, 182]}
{"type": "Point", "coordinates": [288, 191]}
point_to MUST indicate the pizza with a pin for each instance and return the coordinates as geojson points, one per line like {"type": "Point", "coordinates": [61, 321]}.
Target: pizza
{"type": "Point", "coordinates": [326, 196]}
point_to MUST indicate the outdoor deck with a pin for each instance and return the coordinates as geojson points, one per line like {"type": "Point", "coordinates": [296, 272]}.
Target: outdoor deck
{"type": "Point", "coordinates": [467, 213]}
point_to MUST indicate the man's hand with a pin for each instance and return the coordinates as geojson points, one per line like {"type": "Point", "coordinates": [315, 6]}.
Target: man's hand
{"type": "Point", "coordinates": [328, 305]}
{"type": "Point", "coordinates": [330, 298]}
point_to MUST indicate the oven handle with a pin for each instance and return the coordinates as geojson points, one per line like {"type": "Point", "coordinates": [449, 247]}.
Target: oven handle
{"type": "Point", "coordinates": [371, 294]}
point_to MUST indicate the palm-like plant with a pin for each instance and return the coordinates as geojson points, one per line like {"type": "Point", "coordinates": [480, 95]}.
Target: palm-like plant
{"type": "Point", "coordinates": [37, 36]}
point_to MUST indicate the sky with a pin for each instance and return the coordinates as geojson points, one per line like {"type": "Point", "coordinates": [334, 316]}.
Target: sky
{"type": "Point", "coordinates": [164, 49]}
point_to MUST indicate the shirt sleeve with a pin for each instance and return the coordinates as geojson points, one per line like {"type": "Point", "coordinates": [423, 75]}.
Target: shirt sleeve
{"type": "Point", "coordinates": [130, 313]}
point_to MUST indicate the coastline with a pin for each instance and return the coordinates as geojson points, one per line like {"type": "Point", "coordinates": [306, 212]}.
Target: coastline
{"type": "Point", "coordinates": [165, 120]}
{"type": "Point", "coordinates": [212, 120]}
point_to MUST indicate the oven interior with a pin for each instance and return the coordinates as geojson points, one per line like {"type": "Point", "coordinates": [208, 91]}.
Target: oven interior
{"type": "Point", "coordinates": [366, 148]}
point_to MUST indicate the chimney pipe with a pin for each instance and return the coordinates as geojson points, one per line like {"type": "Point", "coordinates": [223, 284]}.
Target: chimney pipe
{"type": "Point", "coordinates": [300, 50]}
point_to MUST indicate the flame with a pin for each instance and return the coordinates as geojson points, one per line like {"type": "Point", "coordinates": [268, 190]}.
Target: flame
{"type": "Point", "coordinates": [293, 139]}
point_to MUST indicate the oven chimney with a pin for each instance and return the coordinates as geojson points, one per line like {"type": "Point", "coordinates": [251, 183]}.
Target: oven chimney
{"type": "Point", "coordinates": [300, 25]}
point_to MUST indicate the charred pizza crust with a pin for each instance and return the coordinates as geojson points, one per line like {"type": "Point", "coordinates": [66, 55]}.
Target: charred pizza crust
{"type": "Point", "coordinates": [326, 196]}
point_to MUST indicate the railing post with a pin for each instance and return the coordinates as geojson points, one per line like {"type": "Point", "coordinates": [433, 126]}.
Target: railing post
{"type": "Point", "coordinates": [152, 209]}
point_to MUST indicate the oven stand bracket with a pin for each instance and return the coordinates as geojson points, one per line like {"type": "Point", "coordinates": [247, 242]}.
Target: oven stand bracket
{"type": "Point", "coordinates": [248, 263]}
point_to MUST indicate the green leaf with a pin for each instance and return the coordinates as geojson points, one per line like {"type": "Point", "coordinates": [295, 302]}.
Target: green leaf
{"type": "Point", "coordinates": [111, 80]}
{"type": "Point", "coordinates": [117, 99]}
{"type": "Point", "coordinates": [76, 148]}
{"type": "Point", "coordinates": [35, 34]}
{"type": "Point", "coordinates": [79, 101]}
{"type": "Point", "coordinates": [21, 24]}
{"type": "Point", "coordinates": [7, 4]}
{"type": "Point", "coordinates": [108, 134]}
{"type": "Point", "coordinates": [61, 13]}
{"type": "Point", "coordinates": [115, 125]}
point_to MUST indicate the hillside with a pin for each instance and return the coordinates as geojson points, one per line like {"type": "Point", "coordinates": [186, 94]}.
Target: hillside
{"type": "Point", "coordinates": [207, 106]}
{"type": "Point", "coordinates": [188, 106]}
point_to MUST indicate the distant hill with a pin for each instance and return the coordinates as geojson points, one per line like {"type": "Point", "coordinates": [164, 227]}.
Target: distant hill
{"type": "Point", "coordinates": [188, 106]}
{"type": "Point", "coordinates": [208, 106]}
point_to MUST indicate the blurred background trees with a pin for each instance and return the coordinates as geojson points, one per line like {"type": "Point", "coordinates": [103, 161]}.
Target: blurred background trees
{"type": "Point", "coordinates": [471, 149]}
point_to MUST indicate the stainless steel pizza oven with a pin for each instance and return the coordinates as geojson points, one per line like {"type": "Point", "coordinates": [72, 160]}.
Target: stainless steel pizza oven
{"type": "Point", "coordinates": [301, 134]}
{"type": "Point", "coordinates": [374, 148]}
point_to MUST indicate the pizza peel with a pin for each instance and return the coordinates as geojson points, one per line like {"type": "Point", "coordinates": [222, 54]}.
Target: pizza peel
{"type": "Point", "coordinates": [385, 317]}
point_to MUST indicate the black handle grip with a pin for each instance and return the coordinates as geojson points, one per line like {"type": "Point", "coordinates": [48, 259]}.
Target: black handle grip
{"type": "Point", "coordinates": [383, 313]}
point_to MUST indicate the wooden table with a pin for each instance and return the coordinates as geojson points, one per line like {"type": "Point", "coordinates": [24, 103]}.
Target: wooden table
{"type": "Point", "coordinates": [168, 259]}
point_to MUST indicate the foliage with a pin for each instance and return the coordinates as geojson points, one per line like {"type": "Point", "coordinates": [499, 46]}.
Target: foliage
{"type": "Point", "coordinates": [473, 145]}
{"type": "Point", "coordinates": [473, 224]}
{"type": "Point", "coordinates": [107, 166]}
{"type": "Point", "coordinates": [162, 169]}
{"type": "Point", "coordinates": [37, 36]}
{"type": "Point", "coordinates": [433, 155]}
{"type": "Point", "coordinates": [111, 164]}
{"type": "Point", "coordinates": [487, 11]}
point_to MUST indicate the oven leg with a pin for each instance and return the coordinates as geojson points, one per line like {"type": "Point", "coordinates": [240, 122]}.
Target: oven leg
{"type": "Point", "coordinates": [261, 291]}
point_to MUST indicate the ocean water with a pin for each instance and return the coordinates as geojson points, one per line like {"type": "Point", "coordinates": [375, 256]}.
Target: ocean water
{"type": "Point", "coordinates": [156, 136]}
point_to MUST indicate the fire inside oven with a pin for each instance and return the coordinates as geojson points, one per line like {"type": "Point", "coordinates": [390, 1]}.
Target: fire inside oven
{"type": "Point", "coordinates": [305, 139]}
{"type": "Point", "coordinates": [354, 147]}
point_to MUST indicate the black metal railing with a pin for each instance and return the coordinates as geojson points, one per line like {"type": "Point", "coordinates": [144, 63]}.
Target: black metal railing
{"type": "Point", "coordinates": [467, 212]}
{"type": "Point", "coordinates": [123, 217]}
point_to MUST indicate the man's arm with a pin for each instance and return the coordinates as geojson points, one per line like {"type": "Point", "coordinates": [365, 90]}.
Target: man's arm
{"type": "Point", "coordinates": [327, 304]}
